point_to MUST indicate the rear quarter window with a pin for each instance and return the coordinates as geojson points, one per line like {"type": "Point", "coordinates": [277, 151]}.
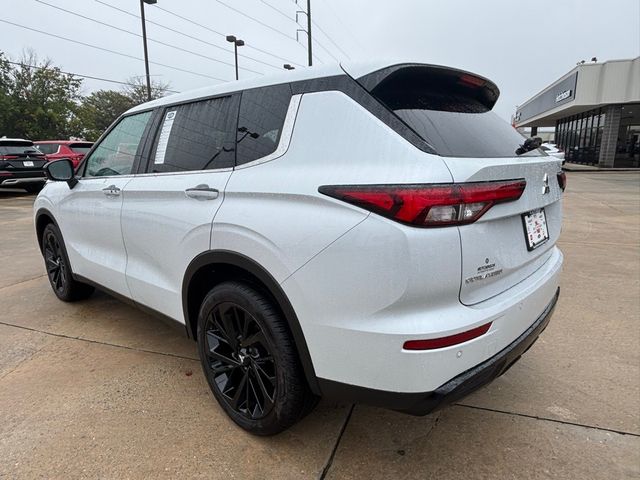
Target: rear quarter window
{"type": "Point", "coordinates": [260, 121]}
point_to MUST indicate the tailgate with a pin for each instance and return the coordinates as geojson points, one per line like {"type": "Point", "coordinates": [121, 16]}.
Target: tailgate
{"type": "Point", "coordinates": [496, 254]}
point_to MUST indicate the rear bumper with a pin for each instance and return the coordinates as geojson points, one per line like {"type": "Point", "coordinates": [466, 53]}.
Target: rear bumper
{"type": "Point", "coordinates": [22, 178]}
{"type": "Point", "coordinates": [454, 389]}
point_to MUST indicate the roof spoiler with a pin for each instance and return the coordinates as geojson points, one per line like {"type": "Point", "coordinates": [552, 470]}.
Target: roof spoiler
{"type": "Point", "coordinates": [431, 76]}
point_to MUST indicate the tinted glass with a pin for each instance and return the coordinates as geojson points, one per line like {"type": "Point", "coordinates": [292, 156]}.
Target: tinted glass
{"type": "Point", "coordinates": [117, 151]}
{"type": "Point", "coordinates": [81, 147]}
{"type": "Point", "coordinates": [18, 148]}
{"type": "Point", "coordinates": [48, 148]}
{"type": "Point", "coordinates": [260, 122]}
{"type": "Point", "coordinates": [452, 112]}
{"type": "Point", "coordinates": [196, 136]}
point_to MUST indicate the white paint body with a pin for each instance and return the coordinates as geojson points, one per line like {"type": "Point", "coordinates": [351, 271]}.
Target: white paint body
{"type": "Point", "coordinates": [360, 284]}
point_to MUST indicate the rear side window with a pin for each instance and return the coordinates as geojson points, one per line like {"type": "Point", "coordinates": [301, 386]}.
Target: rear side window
{"type": "Point", "coordinates": [260, 122]}
{"type": "Point", "coordinates": [451, 110]}
{"type": "Point", "coordinates": [48, 148]}
{"type": "Point", "coordinates": [196, 136]}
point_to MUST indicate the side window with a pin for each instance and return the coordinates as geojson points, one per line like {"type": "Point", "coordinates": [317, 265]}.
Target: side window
{"type": "Point", "coordinates": [48, 148]}
{"type": "Point", "coordinates": [196, 136]}
{"type": "Point", "coordinates": [262, 114]}
{"type": "Point", "coordinates": [117, 151]}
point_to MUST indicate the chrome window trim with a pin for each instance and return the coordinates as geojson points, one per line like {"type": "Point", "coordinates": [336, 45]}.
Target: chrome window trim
{"type": "Point", "coordinates": [285, 136]}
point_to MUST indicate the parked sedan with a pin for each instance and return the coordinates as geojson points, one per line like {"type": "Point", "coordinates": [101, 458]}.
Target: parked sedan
{"type": "Point", "coordinates": [57, 149]}
{"type": "Point", "coordinates": [21, 165]}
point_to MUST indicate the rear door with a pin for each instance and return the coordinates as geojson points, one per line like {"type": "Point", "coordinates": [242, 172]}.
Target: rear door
{"type": "Point", "coordinates": [452, 111]}
{"type": "Point", "coordinates": [169, 208]}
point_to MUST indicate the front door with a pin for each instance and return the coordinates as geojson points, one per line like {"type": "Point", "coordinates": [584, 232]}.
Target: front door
{"type": "Point", "coordinates": [89, 214]}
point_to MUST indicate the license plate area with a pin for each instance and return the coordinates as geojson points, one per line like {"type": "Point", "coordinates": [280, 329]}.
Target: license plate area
{"type": "Point", "coordinates": [27, 163]}
{"type": "Point", "coordinates": [535, 228]}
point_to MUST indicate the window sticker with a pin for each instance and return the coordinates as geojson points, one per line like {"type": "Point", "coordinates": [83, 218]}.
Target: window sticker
{"type": "Point", "coordinates": [161, 150]}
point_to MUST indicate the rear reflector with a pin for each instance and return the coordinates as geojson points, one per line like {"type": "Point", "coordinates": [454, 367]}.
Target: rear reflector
{"type": "Point", "coordinates": [562, 180]}
{"type": "Point", "coordinates": [449, 341]}
{"type": "Point", "coordinates": [425, 205]}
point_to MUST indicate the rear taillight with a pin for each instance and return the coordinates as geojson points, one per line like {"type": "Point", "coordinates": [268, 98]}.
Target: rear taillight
{"type": "Point", "coordinates": [8, 157]}
{"type": "Point", "coordinates": [562, 180]}
{"type": "Point", "coordinates": [435, 205]}
{"type": "Point", "coordinates": [449, 341]}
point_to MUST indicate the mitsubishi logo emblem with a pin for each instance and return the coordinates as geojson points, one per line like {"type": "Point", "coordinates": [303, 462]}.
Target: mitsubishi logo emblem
{"type": "Point", "coordinates": [545, 184]}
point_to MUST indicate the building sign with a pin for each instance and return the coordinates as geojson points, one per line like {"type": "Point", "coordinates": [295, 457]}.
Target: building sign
{"type": "Point", "coordinates": [562, 92]}
{"type": "Point", "coordinates": [563, 96]}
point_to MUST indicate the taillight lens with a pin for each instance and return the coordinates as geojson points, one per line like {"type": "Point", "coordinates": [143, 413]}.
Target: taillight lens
{"type": "Point", "coordinates": [435, 205]}
{"type": "Point", "coordinates": [562, 180]}
{"type": "Point", "coordinates": [8, 157]}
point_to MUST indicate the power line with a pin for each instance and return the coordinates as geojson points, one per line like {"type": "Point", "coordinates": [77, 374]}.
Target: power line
{"type": "Point", "coordinates": [140, 36]}
{"type": "Point", "coordinates": [277, 10]}
{"type": "Point", "coordinates": [345, 27]}
{"type": "Point", "coordinates": [196, 38]}
{"type": "Point", "coordinates": [330, 39]}
{"type": "Point", "coordinates": [325, 49]}
{"type": "Point", "coordinates": [109, 80]}
{"type": "Point", "coordinates": [78, 42]}
{"type": "Point", "coordinates": [217, 33]}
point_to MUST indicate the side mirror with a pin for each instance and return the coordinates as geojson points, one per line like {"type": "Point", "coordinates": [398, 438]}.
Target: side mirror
{"type": "Point", "coordinates": [61, 171]}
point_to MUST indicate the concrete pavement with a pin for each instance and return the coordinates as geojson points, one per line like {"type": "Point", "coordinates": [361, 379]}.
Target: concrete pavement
{"type": "Point", "coordinates": [99, 389]}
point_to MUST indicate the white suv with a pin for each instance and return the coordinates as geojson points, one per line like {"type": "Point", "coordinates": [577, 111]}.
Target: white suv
{"type": "Point", "coordinates": [359, 232]}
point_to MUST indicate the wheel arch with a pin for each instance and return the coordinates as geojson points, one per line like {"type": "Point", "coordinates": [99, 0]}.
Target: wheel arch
{"type": "Point", "coordinates": [213, 267]}
{"type": "Point", "coordinates": [43, 218]}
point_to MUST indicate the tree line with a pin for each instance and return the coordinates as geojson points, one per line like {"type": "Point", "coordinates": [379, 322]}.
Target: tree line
{"type": "Point", "coordinates": [40, 102]}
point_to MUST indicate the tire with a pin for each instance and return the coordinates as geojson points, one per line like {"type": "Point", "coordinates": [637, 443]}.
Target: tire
{"type": "Point", "coordinates": [59, 269]}
{"type": "Point", "coordinates": [250, 361]}
{"type": "Point", "coordinates": [33, 188]}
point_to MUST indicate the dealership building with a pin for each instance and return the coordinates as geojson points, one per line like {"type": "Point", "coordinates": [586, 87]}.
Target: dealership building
{"type": "Point", "coordinates": [595, 110]}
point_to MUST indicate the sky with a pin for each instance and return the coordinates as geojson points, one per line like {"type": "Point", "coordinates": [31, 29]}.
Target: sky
{"type": "Point", "coordinates": [521, 46]}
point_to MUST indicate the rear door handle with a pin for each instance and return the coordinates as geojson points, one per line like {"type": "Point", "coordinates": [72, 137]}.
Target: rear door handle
{"type": "Point", "coordinates": [202, 192]}
{"type": "Point", "coordinates": [111, 191]}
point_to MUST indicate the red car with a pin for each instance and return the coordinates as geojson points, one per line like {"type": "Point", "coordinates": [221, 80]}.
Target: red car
{"type": "Point", "coordinates": [71, 149]}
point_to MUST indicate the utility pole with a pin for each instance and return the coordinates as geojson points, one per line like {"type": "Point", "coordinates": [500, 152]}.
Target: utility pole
{"type": "Point", "coordinates": [144, 42]}
{"type": "Point", "coordinates": [307, 31]}
{"type": "Point", "coordinates": [309, 51]}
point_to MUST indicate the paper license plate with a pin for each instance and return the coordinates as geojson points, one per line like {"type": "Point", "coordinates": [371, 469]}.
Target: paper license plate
{"type": "Point", "coordinates": [535, 228]}
{"type": "Point", "coordinates": [27, 163]}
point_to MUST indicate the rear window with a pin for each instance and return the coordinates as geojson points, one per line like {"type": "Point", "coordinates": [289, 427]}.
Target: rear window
{"type": "Point", "coordinates": [81, 147]}
{"type": "Point", "coordinates": [17, 148]}
{"type": "Point", "coordinates": [451, 110]}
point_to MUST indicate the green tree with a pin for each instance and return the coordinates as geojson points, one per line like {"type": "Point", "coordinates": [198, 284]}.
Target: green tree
{"type": "Point", "coordinates": [98, 110]}
{"type": "Point", "coordinates": [41, 101]}
{"type": "Point", "coordinates": [136, 89]}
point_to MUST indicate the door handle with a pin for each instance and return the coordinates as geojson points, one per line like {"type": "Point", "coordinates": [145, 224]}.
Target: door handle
{"type": "Point", "coordinates": [202, 192]}
{"type": "Point", "coordinates": [111, 191]}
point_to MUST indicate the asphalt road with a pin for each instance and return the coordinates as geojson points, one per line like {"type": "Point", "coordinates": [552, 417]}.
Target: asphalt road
{"type": "Point", "coordinates": [98, 389]}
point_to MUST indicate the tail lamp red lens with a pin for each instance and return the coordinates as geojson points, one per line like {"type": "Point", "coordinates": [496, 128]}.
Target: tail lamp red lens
{"type": "Point", "coordinates": [562, 180]}
{"type": "Point", "coordinates": [449, 341]}
{"type": "Point", "coordinates": [429, 205]}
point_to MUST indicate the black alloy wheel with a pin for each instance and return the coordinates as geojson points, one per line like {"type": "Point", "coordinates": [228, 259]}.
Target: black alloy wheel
{"type": "Point", "coordinates": [57, 269]}
{"type": "Point", "coordinates": [250, 360]}
{"type": "Point", "coordinates": [241, 360]}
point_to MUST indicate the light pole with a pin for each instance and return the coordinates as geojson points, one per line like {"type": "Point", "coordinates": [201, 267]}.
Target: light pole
{"type": "Point", "coordinates": [144, 42]}
{"type": "Point", "coordinates": [286, 66]}
{"type": "Point", "coordinates": [236, 43]}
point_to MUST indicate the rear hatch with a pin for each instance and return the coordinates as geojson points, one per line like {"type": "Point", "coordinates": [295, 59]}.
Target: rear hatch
{"type": "Point", "coordinates": [20, 156]}
{"type": "Point", "coordinates": [451, 110]}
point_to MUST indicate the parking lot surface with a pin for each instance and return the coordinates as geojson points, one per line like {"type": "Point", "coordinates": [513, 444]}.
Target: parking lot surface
{"type": "Point", "coordinates": [97, 389]}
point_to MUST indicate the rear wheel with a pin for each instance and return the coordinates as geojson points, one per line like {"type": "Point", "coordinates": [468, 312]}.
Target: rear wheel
{"type": "Point", "coordinates": [58, 268]}
{"type": "Point", "coordinates": [250, 360]}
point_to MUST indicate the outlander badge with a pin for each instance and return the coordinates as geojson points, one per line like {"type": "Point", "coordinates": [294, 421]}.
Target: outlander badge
{"type": "Point", "coordinates": [545, 184]}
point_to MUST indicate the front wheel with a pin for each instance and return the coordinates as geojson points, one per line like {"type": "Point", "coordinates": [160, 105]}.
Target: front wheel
{"type": "Point", "coordinates": [250, 360]}
{"type": "Point", "coordinates": [59, 269]}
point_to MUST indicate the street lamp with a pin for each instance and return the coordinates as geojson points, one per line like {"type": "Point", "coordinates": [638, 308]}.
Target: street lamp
{"type": "Point", "coordinates": [236, 43]}
{"type": "Point", "coordinates": [144, 42]}
{"type": "Point", "coordinates": [288, 67]}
